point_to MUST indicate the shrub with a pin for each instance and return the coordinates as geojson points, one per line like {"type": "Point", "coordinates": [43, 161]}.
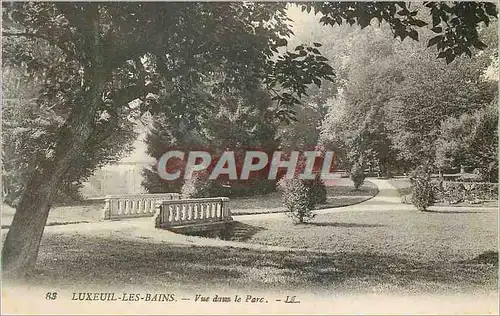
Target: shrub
{"type": "Point", "coordinates": [297, 198]}
{"type": "Point", "coordinates": [197, 186]}
{"type": "Point", "coordinates": [317, 190]}
{"type": "Point", "coordinates": [357, 176]}
{"type": "Point", "coordinates": [422, 189]}
{"type": "Point", "coordinates": [449, 192]}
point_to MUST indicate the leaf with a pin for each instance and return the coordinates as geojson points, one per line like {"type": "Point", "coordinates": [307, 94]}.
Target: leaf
{"type": "Point", "coordinates": [478, 44]}
{"type": "Point", "coordinates": [434, 40]}
{"type": "Point", "coordinates": [317, 82]}
{"type": "Point", "coordinates": [449, 56]}
{"type": "Point", "coordinates": [468, 52]}
{"type": "Point", "coordinates": [419, 23]}
{"type": "Point", "coordinates": [435, 20]}
{"type": "Point", "coordinates": [491, 9]}
{"type": "Point", "coordinates": [300, 47]}
{"type": "Point", "coordinates": [317, 44]}
{"type": "Point", "coordinates": [437, 29]}
{"type": "Point", "coordinates": [414, 35]}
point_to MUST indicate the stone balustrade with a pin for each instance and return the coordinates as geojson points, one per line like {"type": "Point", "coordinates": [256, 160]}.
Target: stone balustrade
{"type": "Point", "coordinates": [202, 211]}
{"type": "Point", "coordinates": [134, 205]}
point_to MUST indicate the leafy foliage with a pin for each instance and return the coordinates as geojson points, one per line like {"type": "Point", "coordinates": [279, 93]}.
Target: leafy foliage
{"type": "Point", "coordinates": [471, 139]}
{"type": "Point", "coordinates": [394, 102]}
{"type": "Point", "coordinates": [30, 128]}
{"type": "Point", "coordinates": [357, 175]}
{"type": "Point", "coordinates": [422, 189]}
{"type": "Point", "coordinates": [454, 23]}
{"type": "Point", "coordinates": [317, 191]}
{"type": "Point", "coordinates": [297, 199]}
{"type": "Point", "coordinates": [197, 186]}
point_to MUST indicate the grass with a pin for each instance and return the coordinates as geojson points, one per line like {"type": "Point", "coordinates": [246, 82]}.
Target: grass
{"type": "Point", "coordinates": [106, 259]}
{"type": "Point", "coordinates": [446, 234]}
{"type": "Point", "coordinates": [340, 192]}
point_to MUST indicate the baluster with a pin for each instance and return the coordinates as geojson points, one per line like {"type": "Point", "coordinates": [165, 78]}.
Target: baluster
{"type": "Point", "coordinates": [223, 209]}
{"type": "Point", "coordinates": [115, 207]}
{"type": "Point", "coordinates": [169, 214]}
{"type": "Point", "coordinates": [165, 214]}
{"type": "Point", "coordinates": [125, 207]}
{"type": "Point", "coordinates": [175, 210]}
{"type": "Point", "coordinates": [183, 212]}
{"type": "Point", "coordinates": [200, 210]}
{"type": "Point", "coordinates": [119, 207]}
{"type": "Point", "coordinates": [190, 212]}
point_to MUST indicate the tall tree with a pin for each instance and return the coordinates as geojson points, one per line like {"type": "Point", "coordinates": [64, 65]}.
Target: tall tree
{"type": "Point", "coordinates": [111, 54]}
{"type": "Point", "coordinates": [471, 139]}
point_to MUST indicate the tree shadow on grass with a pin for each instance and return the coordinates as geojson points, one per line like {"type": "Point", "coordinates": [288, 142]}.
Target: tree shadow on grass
{"type": "Point", "coordinates": [238, 231]}
{"type": "Point", "coordinates": [331, 224]}
{"type": "Point", "coordinates": [92, 261]}
{"type": "Point", "coordinates": [452, 212]}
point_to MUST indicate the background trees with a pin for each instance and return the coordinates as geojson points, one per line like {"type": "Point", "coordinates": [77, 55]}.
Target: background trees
{"type": "Point", "coordinates": [393, 104]}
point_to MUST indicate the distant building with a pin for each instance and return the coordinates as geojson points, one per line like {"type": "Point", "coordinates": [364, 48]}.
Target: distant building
{"type": "Point", "coordinates": [123, 177]}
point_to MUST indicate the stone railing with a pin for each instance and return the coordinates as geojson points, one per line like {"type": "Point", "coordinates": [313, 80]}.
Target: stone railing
{"type": "Point", "coordinates": [174, 213]}
{"type": "Point", "coordinates": [134, 205]}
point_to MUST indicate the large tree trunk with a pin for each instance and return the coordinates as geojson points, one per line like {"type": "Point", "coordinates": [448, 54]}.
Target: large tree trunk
{"type": "Point", "coordinates": [21, 246]}
{"type": "Point", "coordinates": [23, 239]}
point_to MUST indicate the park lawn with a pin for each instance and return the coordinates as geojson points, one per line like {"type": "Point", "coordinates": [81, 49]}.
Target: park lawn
{"type": "Point", "coordinates": [340, 192]}
{"type": "Point", "coordinates": [102, 258]}
{"type": "Point", "coordinates": [442, 235]}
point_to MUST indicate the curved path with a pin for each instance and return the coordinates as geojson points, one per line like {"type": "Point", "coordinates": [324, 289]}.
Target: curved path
{"type": "Point", "coordinates": [387, 200]}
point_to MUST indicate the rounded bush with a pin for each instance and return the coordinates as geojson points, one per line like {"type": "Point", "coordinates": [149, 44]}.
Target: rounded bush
{"type": "Point", "coordinates": [297, 199]}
